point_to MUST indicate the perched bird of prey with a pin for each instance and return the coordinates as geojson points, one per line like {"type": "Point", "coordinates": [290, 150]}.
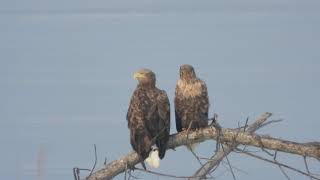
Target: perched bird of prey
{"type": "Point", "coordinates": [149, 119]}
{"type": "Point", "coordinates": [191, 101]}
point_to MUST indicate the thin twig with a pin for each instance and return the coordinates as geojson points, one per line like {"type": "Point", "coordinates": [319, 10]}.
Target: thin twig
{"type": "Point", "coordinates": [270, 122]}
{"type": "Point", "coordinates": [76, 173]}
{"type": "Point", "coordinates": [129, 172]}
{"type": "Point", "coordinates": [218, 142]}
{"type": "Point", "coordinates": [167, 175]}
{"type": "Point", "coordinates": [214, 119]}
{"type": "Point", "coordinates": [95, 160]}
{"type": "Point", "coordinates": [307, 167]}
{"type": "Point", "coordinates": [231, 170]}
{"type": "Point", "coordinates": [132, 176]}
{"type": "Point", "coordinates": [246, 124]}
{"type": "Point", "coordinates": [217, 127]}
{"type": "Point", "coordinates": [232, 146]}
{"type": "Point", "coordinates": [278, 163]}
{"type": "Point", "coordinates": [284, 173]}
{"type": "Point", "coordinates": [125, 172]}
{"type": "Point", "coordinates": [226, 154]}
{"type": "Point", "coordinates": [234, 167]}
{"type": "Point", "coordinates": [196, 156]}
{"type": "Point", "coordinates": [280, 167]}
{"type": "Point", "coordinates": [258, 138]}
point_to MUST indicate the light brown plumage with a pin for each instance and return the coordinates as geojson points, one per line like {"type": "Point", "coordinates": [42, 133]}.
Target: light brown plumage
{"type": "Point", "coordinates": [191, 100]}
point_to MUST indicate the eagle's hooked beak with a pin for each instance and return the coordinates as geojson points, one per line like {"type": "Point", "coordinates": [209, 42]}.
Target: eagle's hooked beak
{"type": "Point", "coordinates": [137, 75]}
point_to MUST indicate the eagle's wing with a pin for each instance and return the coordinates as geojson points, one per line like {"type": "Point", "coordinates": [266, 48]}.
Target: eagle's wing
{"type": "Point", "coordinates": [204, 102]}
{"type": "Point", "coordinates": [140, 138]}
{"type": "Point", "coordinates": [178, 107]}
{"type": "Point", "coordinates": [164, 122]}
{"type": "Point", "coordinates": [130, 109]}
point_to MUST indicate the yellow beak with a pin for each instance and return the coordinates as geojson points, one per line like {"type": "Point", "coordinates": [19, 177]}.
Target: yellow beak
{"type": "Point", "coordinates": [137, 75]}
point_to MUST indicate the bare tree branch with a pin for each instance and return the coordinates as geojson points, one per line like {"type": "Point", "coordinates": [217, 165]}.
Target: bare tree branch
{"type": "Point", "coordinates": [218, 157]}
{"type": "Point", "coordinates": [228, 135]}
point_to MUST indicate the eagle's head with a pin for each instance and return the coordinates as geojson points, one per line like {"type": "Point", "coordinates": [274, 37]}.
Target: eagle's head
{"type": "Point", "coordinates": [187, 72]}
{"type": "Point", "coordinates": [145, 77]}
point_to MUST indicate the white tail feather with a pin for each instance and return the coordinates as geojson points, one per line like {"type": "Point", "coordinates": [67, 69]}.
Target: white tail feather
{"type": "Point", "coordinates": [153, 160]}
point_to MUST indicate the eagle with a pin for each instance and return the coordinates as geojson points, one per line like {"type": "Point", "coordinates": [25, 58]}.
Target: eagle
{"type": "Point", "coordinates": [148, 119]}
{"type": "Point", "coordinates": [191, 101]}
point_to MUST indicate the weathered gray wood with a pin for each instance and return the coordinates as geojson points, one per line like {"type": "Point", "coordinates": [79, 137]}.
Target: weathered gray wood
{"type": "Point", "coordinates": [116, 167]}
{"type": "Point", "coordinates": [228, 135]}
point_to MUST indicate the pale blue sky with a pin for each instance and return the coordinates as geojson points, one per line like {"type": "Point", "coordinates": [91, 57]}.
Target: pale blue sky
{"type": "Point", "coordinates": [66, 76]}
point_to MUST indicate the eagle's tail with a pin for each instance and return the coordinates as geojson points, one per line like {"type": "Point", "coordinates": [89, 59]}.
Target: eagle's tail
{"type": "Point", "coordinates": [153, 159]}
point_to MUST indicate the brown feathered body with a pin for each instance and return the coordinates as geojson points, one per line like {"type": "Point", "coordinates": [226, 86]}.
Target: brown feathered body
{"type": "Point", "coordinates": [149, 117]}
{"type": "Point", "coordinates": [191, 101]}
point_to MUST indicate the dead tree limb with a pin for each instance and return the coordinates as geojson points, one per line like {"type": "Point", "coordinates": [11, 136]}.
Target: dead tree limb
{"type": "Point", "coordinates": [223, 152]}
{"type": "Point", "coordinates": [228, 135]}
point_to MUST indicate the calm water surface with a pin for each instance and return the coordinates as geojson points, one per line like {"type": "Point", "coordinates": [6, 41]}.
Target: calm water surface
{"type": "Point", "coordinates": [66, 77]}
